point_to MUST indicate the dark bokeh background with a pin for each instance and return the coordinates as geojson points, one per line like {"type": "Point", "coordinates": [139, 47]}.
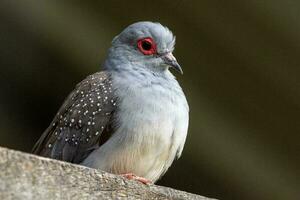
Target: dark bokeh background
{"type": "Point", "coordinates": [241, 62]}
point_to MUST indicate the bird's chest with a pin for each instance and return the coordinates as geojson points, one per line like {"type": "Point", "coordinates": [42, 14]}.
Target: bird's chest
{"type": "Point", "coordinates": [149, 115]}
{"type": "Point", "coordinates": [147, 123]}
{"type": "Point", "coordinates": [150, 129]}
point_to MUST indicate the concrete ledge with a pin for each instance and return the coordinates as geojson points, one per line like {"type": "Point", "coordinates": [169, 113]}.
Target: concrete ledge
{"type": "Point", "coordinates": [26, 176]}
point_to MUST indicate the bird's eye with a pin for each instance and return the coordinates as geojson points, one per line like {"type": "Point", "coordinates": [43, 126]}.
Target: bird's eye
{"type": "Point", "coordinates": [147, 46]}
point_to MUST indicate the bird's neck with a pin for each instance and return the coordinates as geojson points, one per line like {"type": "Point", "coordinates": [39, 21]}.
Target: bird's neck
{"type": "Point", "coordinates": [119, 64]}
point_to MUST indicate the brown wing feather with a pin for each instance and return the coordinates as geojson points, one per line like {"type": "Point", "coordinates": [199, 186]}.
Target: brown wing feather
{"type": "Point", "coordinates": [83, 122]}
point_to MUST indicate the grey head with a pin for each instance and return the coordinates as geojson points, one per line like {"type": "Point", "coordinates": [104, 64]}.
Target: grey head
{"type": "Point", "coordinates": [143, 45]}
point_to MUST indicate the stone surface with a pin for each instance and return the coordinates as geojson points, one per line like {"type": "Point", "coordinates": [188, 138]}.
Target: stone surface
{"type": "Point", "coordinates": [26, 176]}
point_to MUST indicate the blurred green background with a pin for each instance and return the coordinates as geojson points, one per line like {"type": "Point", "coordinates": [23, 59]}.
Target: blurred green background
{"type": "Point", "coordinates": [241, 62]}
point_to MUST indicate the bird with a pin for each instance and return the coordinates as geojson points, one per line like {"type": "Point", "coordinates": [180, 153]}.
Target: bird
{"type": "Point", "coordinates": [130, 118]}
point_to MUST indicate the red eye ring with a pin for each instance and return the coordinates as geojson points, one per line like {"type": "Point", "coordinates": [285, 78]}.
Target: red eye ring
{"type": "Point", "coordinates": [147, 46]}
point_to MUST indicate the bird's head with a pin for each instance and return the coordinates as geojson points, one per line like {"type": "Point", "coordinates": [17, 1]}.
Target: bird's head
{"type": "Point", "coordinates": [146, 45]}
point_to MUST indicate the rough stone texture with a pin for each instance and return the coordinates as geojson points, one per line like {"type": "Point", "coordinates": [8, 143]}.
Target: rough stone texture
{"type": "Point", "coordinates": [26, 176]}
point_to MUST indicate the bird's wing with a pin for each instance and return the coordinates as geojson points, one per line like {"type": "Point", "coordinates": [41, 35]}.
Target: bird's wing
{"type": "Point", "coordinates": [83, 123]}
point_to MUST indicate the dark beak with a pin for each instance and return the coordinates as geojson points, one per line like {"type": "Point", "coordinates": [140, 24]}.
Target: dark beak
{"type": "Point", "coordinates": [171, 61]}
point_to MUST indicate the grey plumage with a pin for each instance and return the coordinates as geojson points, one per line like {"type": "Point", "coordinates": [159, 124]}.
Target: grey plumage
{"type": "Point", "coordinates": [130, 118]}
